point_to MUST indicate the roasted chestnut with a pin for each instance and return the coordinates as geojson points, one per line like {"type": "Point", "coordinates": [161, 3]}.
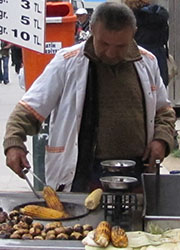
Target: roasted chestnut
{"type": "Point", "coordinates": [43, 234]}
{"type": "Point", "coordinates": [7, 227]}
{"type": "Point", "coordinates": [23, 224]}
{"type": "Point", "coordinates": [22, 231]}
{"type": "Point", "coordinates": [14, 213]}
{"type": "Point", "coordinates": [68, 230]}
{"type": "Point", "coordinates": [38, 237]}
{"type": "Point", "coordinates": [35, 231]}
{"type": "Point", "coordinates": [85, 233]}
{"type": "Point", "coordinates": [27, 237]}
{"type": "Point", "coordinates": [78, 228]}
{"type": "Point", "coordinates": [4, 235]}
{"type": "Point", "coordinates": [76, 236]}
{"type": "Point", "coordinates": [52, 225]}
{"type": "Point", "coordinates": [15, 236]}
{"type": "Point", "coordinates": [50, 232]}
{"type": "Point", "coordinates": [50, 237]}
{"type": "Point", "coordinates": [59, 230]}
{"type": "Point", "coordinates": [62, 236]}
{"type": "Point", "coordinates": [38, 225]}
{"type": "Point", "coordinates": [87, 227]}
{"type": "Point", "coordinates": [27, 219]}
{"type": "Point", "coordinates": [15, 220]}
{"type": "Point", "coordinates": [3, 217]}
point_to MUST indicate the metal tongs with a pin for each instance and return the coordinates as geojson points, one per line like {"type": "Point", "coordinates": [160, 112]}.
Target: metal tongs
{"type": "Point", "coordinates": [24, 172]}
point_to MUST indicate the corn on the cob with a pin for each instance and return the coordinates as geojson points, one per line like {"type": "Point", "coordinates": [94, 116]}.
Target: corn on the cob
{"type": "Point", "coordinates": [93, 199]}
{"type": "Point", "coordinates": [52, 199]}
{"type": "Point", "coordinates": [119, 237]}
{"type": "Point", "coordinates": [102, 234]}
{"type": "Point", "coordinates": [43, 212]}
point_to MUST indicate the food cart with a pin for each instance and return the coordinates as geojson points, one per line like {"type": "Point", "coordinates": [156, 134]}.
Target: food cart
{"type": "Point", "coordinates": [11, 200]}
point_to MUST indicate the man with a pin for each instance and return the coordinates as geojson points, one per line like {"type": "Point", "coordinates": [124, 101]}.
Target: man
{"type": "Point", "coordinates": [4, 60]}
{"type": "Point", "coordinates": [152, 31]}
{"type": "Point", "coordinates": [107, 101]}
{"type": "Point", "coordinates": [82, 26]}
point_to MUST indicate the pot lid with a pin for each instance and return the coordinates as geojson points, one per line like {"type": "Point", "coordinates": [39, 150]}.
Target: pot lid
{"type": "Point", "coordinates": [118, 163]}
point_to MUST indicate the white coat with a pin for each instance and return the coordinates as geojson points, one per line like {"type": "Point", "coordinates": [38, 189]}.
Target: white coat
{"type": "Point", "coordinates": [61, 89]}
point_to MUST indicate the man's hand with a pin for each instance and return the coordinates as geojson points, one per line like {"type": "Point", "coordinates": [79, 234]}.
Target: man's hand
{"type": "Point", "coordinates": [155, 150]}
{"type": "Point", "coordinates": [16, 160]}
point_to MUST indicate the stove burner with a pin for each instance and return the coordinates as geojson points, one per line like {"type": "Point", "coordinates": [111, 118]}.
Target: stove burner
{"type": "Point", "coordinates": [119, 208]}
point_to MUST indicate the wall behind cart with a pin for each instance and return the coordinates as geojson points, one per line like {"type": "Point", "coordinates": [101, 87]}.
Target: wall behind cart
{"type": "Point", "coordinates": [174, 43]}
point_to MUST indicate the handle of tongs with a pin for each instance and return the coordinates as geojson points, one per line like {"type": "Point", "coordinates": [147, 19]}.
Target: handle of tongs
{"type": "Point", "coordinates": [24, 172]}
{"type": "Point", "coordinates": [30, 171]}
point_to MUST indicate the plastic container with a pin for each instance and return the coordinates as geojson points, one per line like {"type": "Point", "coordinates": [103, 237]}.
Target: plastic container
{"type": "Point", "coordinates": [175, 172]}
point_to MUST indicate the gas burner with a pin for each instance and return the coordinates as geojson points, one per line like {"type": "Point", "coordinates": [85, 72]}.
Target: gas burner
{"type": "Point", "coordinates": [119, 208]}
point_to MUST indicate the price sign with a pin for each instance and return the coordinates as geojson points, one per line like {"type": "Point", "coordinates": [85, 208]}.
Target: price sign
{"type": "Point", "coordinates": [22, 22]}
{"type": "Point", "coordinates": [52, 47]}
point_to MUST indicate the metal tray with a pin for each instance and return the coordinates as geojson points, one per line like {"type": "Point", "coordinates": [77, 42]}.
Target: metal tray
{"type": "Point", "coordinates": [118, 165]}
{"type": "Point", "coordinates": [117, 182]}
{"type": "Point", "coordinates": [74, 210]}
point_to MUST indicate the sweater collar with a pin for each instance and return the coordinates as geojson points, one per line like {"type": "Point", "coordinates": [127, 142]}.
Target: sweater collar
{"type": "Point", "coordinates": [132, 55]}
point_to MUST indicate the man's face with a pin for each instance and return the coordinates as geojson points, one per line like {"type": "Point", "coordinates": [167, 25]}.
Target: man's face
{"type": "Point", "coordinates": [111, 46]}
{"type": "Point", "coordinates": [82, 18]}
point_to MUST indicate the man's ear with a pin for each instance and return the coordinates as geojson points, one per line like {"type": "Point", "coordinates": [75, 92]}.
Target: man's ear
{"type": "Point", "coordinates": [91, 29]}
{"type": "Point", "coordinates": [135, 30]}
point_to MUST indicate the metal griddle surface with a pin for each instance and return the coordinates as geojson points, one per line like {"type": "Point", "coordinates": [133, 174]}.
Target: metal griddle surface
{"type": "Point", "coordinates": [9, 200]}
{"type": "Point", "coordinates": [161, 195]}
{"type": "Point", "coordinates": [74, 210]}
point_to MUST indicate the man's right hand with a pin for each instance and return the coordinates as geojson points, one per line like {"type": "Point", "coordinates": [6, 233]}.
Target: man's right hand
{"type": "Point", "coordinates": [16, 160]}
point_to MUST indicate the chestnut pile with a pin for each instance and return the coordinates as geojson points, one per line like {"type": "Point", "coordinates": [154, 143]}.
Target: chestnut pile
{"type": "Point", "coordinates": [17, 226]}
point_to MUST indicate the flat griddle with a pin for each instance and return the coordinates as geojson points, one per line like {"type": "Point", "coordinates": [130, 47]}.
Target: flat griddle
{"type": "Point", "coordinates": [74, 210]}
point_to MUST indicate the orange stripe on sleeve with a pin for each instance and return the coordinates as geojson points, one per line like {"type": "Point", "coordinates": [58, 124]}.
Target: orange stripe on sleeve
{"type": "Point", "coordinates": [144, 52]}
{"type": "Point", "coordinates": [32, 111]}
{"type": "Point", "coordinates": [54, 149]}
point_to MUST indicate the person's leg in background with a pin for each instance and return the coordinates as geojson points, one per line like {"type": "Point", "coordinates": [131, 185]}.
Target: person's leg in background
{"type": "Point", "coordinates": [6, 69]}
{"type": "Point", "coordinates": [1, 73]}
{"type": "Point", "coordinates": [18, 66]}
{"type": "Point", "coordinates": [17, 58]}
{"type": "Point", "coordinates": [12, 56]}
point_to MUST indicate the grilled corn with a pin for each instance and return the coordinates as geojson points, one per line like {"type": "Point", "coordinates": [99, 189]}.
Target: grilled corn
{"type": "Point", "coordinates": [43, 212]}
{"type": "Point", "coordinates": [119, 237]}
{"type": "Point", "coordinates": [52, 199]}
{"type": "Point", "coordinates": [102, 234]}
{"type": "Point", "coordinates": [93, 199]}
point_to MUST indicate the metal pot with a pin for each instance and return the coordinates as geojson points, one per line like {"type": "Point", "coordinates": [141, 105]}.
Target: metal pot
{"type": "Point", "coordinates": [118, 165]}
{"type": "Point", "coordinates": [117, 182]}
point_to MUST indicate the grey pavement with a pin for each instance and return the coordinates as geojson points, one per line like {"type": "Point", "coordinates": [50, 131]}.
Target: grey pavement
{"type": "Point", "coordinates": [10, 95]}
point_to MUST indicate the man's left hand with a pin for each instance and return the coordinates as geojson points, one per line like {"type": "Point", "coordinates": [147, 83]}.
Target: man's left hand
{"type": "Point", "coordinates": [155, 150]}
